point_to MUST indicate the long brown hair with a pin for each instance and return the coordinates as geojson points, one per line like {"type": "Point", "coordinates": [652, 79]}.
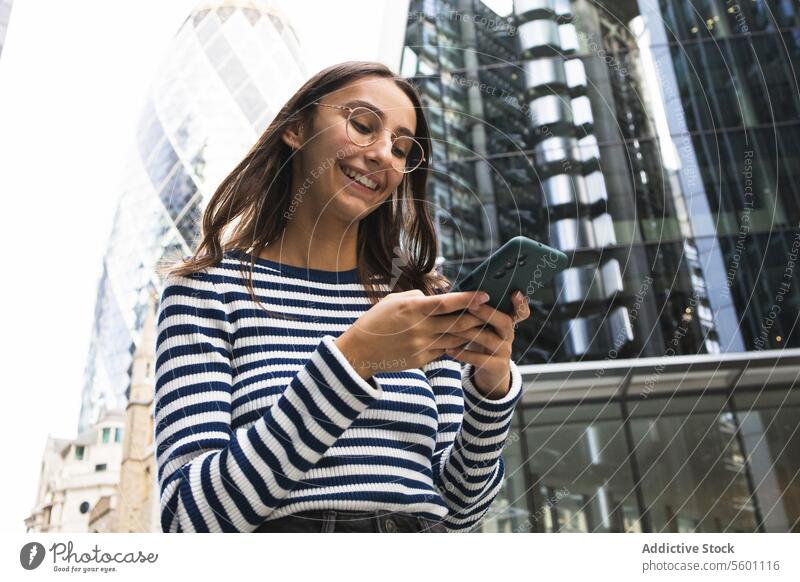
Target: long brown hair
{"type": "Point", "coordinates": [252, 201]}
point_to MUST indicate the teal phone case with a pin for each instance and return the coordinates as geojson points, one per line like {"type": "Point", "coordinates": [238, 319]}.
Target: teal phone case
{"type": "Point", "coordinates": [521, 263]}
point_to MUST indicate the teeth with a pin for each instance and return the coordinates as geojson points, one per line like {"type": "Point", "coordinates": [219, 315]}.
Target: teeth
{"type": "Point", "coordinates": [371, 184]}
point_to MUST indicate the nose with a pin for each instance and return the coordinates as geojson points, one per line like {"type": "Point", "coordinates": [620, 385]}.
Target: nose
{"type": "Point", "coordinates": [381, 150]}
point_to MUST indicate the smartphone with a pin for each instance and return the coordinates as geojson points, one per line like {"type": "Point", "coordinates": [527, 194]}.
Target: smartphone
{"type": "Point", "coordinates": [521, 263]}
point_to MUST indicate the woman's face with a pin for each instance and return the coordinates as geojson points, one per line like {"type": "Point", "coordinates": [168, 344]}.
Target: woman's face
{"type": "Point", "coordinates": [328, 155]}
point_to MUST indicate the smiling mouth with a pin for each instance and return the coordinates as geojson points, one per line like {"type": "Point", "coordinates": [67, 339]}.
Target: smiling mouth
{"type": "Point", "coordinates": [356, 182]}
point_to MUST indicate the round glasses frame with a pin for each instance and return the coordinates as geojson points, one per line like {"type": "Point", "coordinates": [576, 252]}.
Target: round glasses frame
{"type": "Point", "coordinates": [366, 110]}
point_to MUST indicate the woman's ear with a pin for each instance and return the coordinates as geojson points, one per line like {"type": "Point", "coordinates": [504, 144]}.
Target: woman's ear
{"type": "Point", "coordinates": [293, 136]}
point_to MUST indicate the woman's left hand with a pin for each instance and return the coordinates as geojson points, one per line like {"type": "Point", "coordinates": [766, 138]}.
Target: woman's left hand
{"type": "Point", "coordinates": [488, 347]}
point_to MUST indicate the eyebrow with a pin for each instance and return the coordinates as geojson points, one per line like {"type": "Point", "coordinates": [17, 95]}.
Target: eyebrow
{"type": "Point", "coordinates": [361, 103]}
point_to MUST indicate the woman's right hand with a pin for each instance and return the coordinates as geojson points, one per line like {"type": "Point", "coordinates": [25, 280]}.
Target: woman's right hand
{"type": "Point", "coordinates": [408, 330]}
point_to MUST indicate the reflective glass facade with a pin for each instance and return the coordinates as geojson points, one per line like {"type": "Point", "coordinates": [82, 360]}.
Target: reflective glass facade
{"type": "Point", "coordinates": [655, 143]}
{"type": "Point", "coordinates": [232, 65]}
{"type": "Point", "coordinates": [650, 141]}
{"type": "Point", "coordinates": [699, 455]}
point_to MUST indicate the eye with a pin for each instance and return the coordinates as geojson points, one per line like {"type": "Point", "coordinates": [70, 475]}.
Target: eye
{"type": "Point", "coordinates": [398, 152]}
{"type": "Point", "coordinates": [360, 127]}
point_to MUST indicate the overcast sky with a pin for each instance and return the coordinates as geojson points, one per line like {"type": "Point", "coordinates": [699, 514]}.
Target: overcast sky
{"type": "Point", "coordinates": [73, 77]}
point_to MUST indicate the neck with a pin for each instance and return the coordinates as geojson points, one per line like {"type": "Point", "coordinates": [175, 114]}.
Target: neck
{"type": "Point", "coordinates": [315, 244]}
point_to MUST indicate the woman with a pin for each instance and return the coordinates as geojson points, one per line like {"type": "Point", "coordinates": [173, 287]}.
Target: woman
{"type": "Point", "coordinates": [341, 405]}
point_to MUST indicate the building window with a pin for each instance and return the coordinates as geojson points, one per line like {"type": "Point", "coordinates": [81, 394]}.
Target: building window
{"type": "Point", "coordinates": [79, 452]}
{"type": "Point", "coordinates": [117, 435]}
{"type": "Point", "coordinates": [100, 467]}
{"type": "Point", "coordinates": [579, 482]}
{"type": "Point", "coordinates": [84, 507]}
{"type": "Point", "coordinates": [106, 434]}
{"type": "Point", "coordinates": [684, 447]}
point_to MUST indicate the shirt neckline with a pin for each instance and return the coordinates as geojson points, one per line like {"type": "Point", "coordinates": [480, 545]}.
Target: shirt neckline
{"type": "Point", "coordinates": [320, 275]}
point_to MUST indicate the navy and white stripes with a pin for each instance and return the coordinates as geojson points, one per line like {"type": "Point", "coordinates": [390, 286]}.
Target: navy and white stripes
{"type": "Point", "coordinates": [259, 415]}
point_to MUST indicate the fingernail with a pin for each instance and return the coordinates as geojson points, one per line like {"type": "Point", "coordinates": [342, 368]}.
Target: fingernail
{"type": "Point", "coordinates": [483, 297]}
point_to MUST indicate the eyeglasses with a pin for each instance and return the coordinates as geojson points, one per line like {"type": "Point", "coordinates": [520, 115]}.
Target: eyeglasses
{"type": "Point", "coordinates": [364, 126]}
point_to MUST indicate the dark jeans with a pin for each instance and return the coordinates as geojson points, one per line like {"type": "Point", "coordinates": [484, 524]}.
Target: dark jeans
{"type": "Point", "coordinates": [336, 520]}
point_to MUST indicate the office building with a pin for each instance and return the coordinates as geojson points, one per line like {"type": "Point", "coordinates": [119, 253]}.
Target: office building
{"type": "Point", "coordinates": [653, 143]}
{"type": "Point", "coordinates": [79, 478]}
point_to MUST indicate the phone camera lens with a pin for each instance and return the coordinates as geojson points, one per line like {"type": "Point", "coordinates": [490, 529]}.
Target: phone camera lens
{"type": "Point", "coordinates": [499, 274]}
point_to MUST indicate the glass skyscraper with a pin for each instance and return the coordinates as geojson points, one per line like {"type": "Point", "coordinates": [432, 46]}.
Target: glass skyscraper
{"type": "Point", "coordinates": [232, 65]}
{"type": "Point", "coordinates": [654, 142]}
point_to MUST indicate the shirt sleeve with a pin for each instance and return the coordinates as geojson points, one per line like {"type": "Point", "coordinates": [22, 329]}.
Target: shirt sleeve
{"type": "Point", "coordinates": [214, 479]}
{"type": "Point", "coordinates": [467, 463]}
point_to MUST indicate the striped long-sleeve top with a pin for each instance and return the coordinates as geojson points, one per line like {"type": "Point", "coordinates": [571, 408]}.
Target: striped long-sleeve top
{"type": "Point", "coordinates": [258, 414]}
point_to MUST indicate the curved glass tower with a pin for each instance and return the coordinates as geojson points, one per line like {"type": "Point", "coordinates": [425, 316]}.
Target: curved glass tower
{"type": "Point", "coordinates": [232, 65]}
